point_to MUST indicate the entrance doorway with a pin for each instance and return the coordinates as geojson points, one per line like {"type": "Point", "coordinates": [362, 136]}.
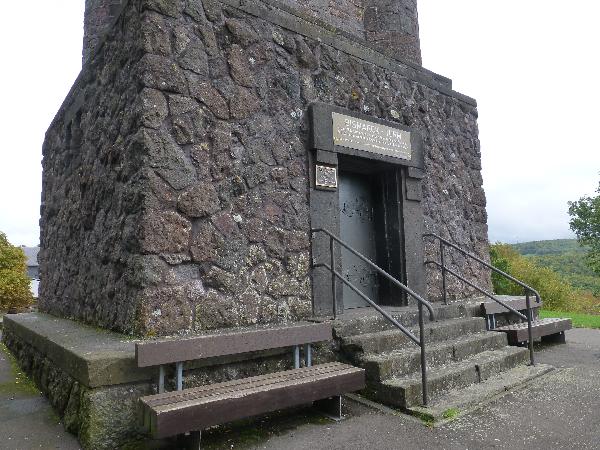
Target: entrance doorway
{"type": "Point", "coordinates": [371, 223]}
{"type": "Point", "coordinates": [358, 229]}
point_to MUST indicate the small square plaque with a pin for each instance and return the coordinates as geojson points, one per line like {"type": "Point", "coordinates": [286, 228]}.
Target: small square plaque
{"type": "Point", "coordinates": [326, 177]}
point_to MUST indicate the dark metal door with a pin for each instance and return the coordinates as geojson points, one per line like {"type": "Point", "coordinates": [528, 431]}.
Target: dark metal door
{"type": "Point", "coordinates": [357, 228]}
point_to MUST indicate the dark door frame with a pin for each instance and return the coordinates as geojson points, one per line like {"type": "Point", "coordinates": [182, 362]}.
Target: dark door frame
{"type": "Point", "coordinates": [324, 201]}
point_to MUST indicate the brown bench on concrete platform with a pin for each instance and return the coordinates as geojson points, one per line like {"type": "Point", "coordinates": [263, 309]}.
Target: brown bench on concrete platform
{"type": "Point", "coordinates": [550, 330]}
{"type": "Point", "coordinates": [191, 410]}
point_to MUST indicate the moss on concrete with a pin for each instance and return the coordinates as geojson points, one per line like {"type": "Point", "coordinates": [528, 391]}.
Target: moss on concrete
{"type": "Point", "coordinates": [451, 413]}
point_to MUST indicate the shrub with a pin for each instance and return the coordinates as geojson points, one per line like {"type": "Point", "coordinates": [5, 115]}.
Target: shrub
{"type": "Point", "coordinates": [556, 292]}
{"type": "Point", "coordinates": [14, 282]}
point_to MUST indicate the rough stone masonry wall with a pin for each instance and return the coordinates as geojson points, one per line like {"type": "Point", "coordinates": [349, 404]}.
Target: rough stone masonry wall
{"type": "Point", "coordinates": [392, 25]}
{"type": "Point", "coordinates": [99, 16]}
{"type": "Point", "coordinates": [186, 205]}
{"type": "Point", "coordinates": [91, 194]}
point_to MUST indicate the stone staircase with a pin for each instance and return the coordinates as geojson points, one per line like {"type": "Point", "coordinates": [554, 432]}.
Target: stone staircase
{"type": "Point", "coordinates": [460, 353]}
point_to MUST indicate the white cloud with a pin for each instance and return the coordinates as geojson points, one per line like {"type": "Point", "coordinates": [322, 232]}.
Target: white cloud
{"type": "Point", "coordinates": [532, 68]}
{"type": "Point", "coordinates": [41, 57]}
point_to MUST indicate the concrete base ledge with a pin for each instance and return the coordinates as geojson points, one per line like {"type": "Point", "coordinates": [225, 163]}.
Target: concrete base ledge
{"type": "Point", "coordinates": [95, 357]}
{"type": "Point", "coordinates": [91, 378]}
{"type": "Point", "coordinates": [92, 356]}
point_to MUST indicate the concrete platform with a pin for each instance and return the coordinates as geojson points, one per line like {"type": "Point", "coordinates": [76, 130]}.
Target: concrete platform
{"type": "Point", "coordinates": [92, 356]}
{"type": "Point", "coordinates": [91, 378]}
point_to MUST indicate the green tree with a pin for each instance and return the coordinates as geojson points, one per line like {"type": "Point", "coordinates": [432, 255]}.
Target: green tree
{"type": "Point", "coordinates": [500, 261]}
{"type": "Point", "coordinates": [14, 282]}
{"type": "Point", "coordinates": [555, 291]}
{"type": "Point", "coordinates": [585, 223]}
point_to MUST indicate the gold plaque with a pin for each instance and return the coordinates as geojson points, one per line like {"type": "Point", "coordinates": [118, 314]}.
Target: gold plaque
{"type": "Point", "coordinates": [370, 137]}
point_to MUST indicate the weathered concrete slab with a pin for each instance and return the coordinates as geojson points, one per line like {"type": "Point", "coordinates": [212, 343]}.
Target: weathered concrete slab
{"type": "Point", "coordinates": [477, 395]}
{"type": "Point", "coordinates": [92, 356]}
{"type": "Point", "coordinates": [95, 357]}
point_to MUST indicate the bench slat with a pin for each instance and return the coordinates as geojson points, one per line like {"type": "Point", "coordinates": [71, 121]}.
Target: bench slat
{"type": "Point", "coordinates": [157, 400]}
{"type": "Point", "coordinates": [519, 304]}
{"type": "Point", "coordinates": [519, 333]}
{"type": "Point", "coordinates": [167, 351]}
{"type": "Point", "coordinates": [250, 397]}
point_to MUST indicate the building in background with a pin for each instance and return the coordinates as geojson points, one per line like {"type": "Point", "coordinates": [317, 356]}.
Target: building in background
{"type": "Point", "coordinates": [33, 272]}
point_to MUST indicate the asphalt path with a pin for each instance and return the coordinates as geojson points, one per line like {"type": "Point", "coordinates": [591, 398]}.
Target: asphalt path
{"type": "Point", "coordinates": [560, 410]}
{"type": "Point", "coordinates": [27, 420]}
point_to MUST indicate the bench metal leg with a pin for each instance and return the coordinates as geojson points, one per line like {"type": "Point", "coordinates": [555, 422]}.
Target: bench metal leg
{"type": "Point", "coordinates": [296, 356]}
{"type": "Point", "coordinates": [161, 379]}
{"type": "Point", "coordinates": [194, 440]}
{"type": "Point", "coordinates": [189, 441]}
{"type": "Point", "coordinates": [179, 367]}
{"type": "Point", "coordinates": [331, 407]}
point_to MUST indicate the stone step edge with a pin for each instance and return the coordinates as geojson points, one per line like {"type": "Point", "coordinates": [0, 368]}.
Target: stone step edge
{"type": "Point", "coordinates": [462, 349]}
{"type": "Point", "coordinates": [435, 345]}
{"type": "Point", "coordinates": [405, 391]}
{"type": "Point", "coordinates": [347, 340]}
{"type": "Point", "coordinates": [457, 366]}
{"type": "Point", "coordinates": [464, 401]}
{"type": "Point", "coordinates": [340, 327]}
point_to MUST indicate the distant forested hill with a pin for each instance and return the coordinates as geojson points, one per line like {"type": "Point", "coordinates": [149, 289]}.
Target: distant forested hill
{"type": "Point", "coordinates": [564, 256]}
{"type": "Point", "coordinates": [556, 246]}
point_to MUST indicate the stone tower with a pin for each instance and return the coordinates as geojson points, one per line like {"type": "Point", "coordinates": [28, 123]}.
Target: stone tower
{"type": "Point", "coordinates": [188, 170]}
{"type": "Point", "coordinates": [178, 186]}
{"type": "Point", "coordinates": [99, 16]}
{"type": "Point", "coordinates": [392, 25]}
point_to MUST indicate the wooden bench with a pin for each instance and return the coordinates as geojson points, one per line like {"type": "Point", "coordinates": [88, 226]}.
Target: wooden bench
{"type": "Point", "coordinates": [549, 330]}
{"type": "Point", "coordinates": [191, 410]}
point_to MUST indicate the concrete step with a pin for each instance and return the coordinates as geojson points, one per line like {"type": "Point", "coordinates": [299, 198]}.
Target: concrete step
{"type": "Point", "coordinates": [405, 392]}
{"type": "Point", "coordinates": [367, 320]}
{"type": "Point", "coordinates": [380, 367]}
{"type": "Point", "coordinates": [458, 402]}
{"type": "Point", "coordinates": [394, 339]}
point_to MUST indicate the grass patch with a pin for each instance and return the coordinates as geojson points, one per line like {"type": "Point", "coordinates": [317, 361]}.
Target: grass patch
{"type": "Point", "coordinates": [579, 320]}
{"type": "Point", "coordinates": [451, 413]}
{"type": "Point", "coordinates": [21, 384]}
{"type": "Point", "coordinates": [427, 419]}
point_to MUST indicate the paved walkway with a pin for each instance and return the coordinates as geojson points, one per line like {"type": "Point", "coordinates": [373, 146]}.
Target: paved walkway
{"type": "Point", "coordinates": [559, 410]}
{"type": "Point", "coordinates": [27, 420]}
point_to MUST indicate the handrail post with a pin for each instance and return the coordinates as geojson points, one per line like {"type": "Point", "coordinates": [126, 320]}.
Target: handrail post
{"type": "Point", "coordinates": [423, 356]}
{"type": "Point", "coordinates": [443, 272]}
{"type": "Point", "coordinates": [333, 280]}
{"type": "Point", "coordinates": [529, 330]}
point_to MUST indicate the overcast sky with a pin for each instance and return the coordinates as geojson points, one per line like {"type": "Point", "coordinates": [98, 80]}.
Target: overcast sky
{"type": "Point", "coordinates": [532, 66]}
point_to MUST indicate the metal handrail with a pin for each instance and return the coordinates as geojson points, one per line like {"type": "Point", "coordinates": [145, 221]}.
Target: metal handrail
{"type": "Point", "coordinates": [420, 341]}
{"type": "Point", "coordinates": [527, 289]}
